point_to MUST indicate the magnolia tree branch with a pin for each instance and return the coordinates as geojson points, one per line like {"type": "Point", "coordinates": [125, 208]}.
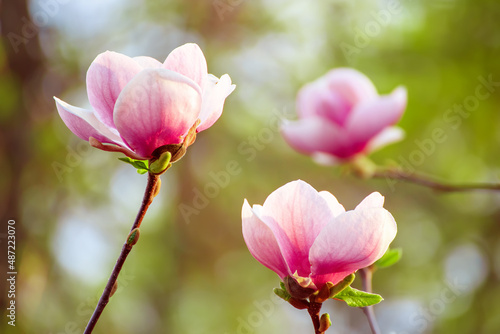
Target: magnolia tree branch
{"type": "Point", "coordinates": [152, 189]}
{"type": "Point", "coordinates": [419, 179]}
{"type": "Point", "coordinates": [366, 279]}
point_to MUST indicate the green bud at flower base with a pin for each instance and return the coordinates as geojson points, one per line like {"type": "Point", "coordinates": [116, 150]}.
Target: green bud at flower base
{"type": "Point", "coordinates": [342, 285]}
{"type": "Point", "coordinates": [161, 164]}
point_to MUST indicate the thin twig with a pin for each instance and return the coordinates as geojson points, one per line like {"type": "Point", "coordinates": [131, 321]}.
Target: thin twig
{"type": "Point", "coordinates": [151, 191]}
{"type": "Point", "coordinates": [366, 279]}
{"type": "Point", "coordinates": [415, 178]}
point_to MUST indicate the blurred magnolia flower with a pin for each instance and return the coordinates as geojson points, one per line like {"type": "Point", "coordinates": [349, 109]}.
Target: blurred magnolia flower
{"type": "Point", "coordinates": [309, 236]}
{"type": "Point", "coordinates": [141, 105]}
{"type": "Point", "coordinates": [341, 116]}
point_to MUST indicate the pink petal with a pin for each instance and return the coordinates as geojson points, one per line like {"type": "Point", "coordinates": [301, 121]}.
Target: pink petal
{"type": "Point", "coordinates": [261, 242]}
{"type": "Point", "coordinates": [370, 118]}
{"type": "Point", "coordinates": [326, 159]}
{"type": "Point", "coordinates": [335, 207]}
{"type": "Point", "coordinates": [335, 94]}
{"type": "Point", "coordinates": [147, 62]}
{"type": "Point", "coordinates": [107, 76]}
{"type": "Point", "coordinates": [352, 84]}
{"type": "Point", "coordinates": [313, 134]}
{"type": "Point", "coordinates": [374, 200]}
{"type": "Point", "coordinates": [156, 108]}
{"type": "Point", "coordinates": [317, 99]}
{"type": "Point", "coordinates": [296, 214]}
{"type": "Point", "coordinates": [84, 124]}
{"type": "Point", "coordinates": [188, 60]}
{"type": "Point", "coordinates": [353, 240]}
{"type": "Point", "coordinates": [214, 95]}
{"type": "Point", "coordinates": [387, 136]}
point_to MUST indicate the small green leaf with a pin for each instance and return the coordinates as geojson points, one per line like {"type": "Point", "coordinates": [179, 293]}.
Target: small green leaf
{"type": "Point", "coordinates": [142, 166]}
{"type": "Point", "coordinates": [358, 298]}
{"type": "Point", "coordinates": [126, 159]}
{"type": "Point", "coordinates": [282, 294]}
{"type": "Point", "coordinates": [392, 256]}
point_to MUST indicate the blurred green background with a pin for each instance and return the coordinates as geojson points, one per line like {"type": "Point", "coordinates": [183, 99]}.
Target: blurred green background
{"type": "Point", "coordinates": [191, 271]}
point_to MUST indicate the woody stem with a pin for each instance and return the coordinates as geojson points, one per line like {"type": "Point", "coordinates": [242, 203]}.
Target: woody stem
{"type": "Point", "coordinates": [150, 193]}
{"type": "Point", "coordinates": [314, 310]}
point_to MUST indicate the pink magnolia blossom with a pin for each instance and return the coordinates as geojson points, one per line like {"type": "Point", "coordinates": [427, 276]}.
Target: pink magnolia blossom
{"type": "Point", "coordinates": [308, 235]}
{"type": "Point", "coordinates": [140, 104]}
{"type": "Point", "coordinates": [341, 116]}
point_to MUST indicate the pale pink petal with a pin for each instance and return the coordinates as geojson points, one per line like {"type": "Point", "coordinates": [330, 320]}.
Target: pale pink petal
{"type": "Point", "coordinates": [296, 214]}
{"type": "Point", "coordinates": [156, 108]}
{"type": "Point", "coordinates": [147, 62]}
{"type": "Point", "coordinates": [317, 99]}
{"type": "Point", "coordinates": [215, 93]}
{"type": "Point", "coordinates": [108, 74]}
{"type": "Point", "coordinates": [352, 241]}
{"type": "Point", "coordinates": [188, 60]}
{"type": "Point", "coordinates": [84, 124]}
{"type": "Point", "coordinates": [374, 200]}
{"type": "Point", "coordinates": [335, 207]}
{"type": "Point", "coordinates": [313, 134]}
{"type": "Point", "coordinates": [387, 136]}
{"type": "Point", "coordinates": [369, 118]}
{"type": "Point", "coordinates": [326, 159]}
{"type": "Point", "coordinates": [351, 84]}
{"type": "Point", "coordinates": [261, 242]}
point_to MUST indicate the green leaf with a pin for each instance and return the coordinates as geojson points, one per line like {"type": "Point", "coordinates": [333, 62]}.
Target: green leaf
{"type": "Point", "coordinates": [392, 256]}
{"type": "Point", "coordinates": [358, 298]}
{"type": "Point", "coordinates": [141, 165]}
{"type": "Point", "coordinates": [282, 294]}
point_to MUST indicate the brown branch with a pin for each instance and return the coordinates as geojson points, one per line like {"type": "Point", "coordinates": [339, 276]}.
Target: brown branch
{"type": "Point", "coordinates": [152, 189]}
{"type": "Point", "coordinates": [313, 310]}
{"type": "Point", "coordinates": [424, 181]}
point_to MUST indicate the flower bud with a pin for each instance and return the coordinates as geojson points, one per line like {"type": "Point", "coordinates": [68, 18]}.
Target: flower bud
{"type": "Point", "coordinates": [324, 322]}
{"type": "Point", "coordinates": [133, 237]}
{"type": "Point", "coordinates": [335, 289]}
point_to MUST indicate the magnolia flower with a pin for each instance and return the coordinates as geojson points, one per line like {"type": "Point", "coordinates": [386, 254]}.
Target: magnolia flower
{"type": "Point", "coordinates": [341, 116]}
{"type": "Point", "coordinates": [140, 105]}
{"type": "Point", "coordinates": [309, 236]}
